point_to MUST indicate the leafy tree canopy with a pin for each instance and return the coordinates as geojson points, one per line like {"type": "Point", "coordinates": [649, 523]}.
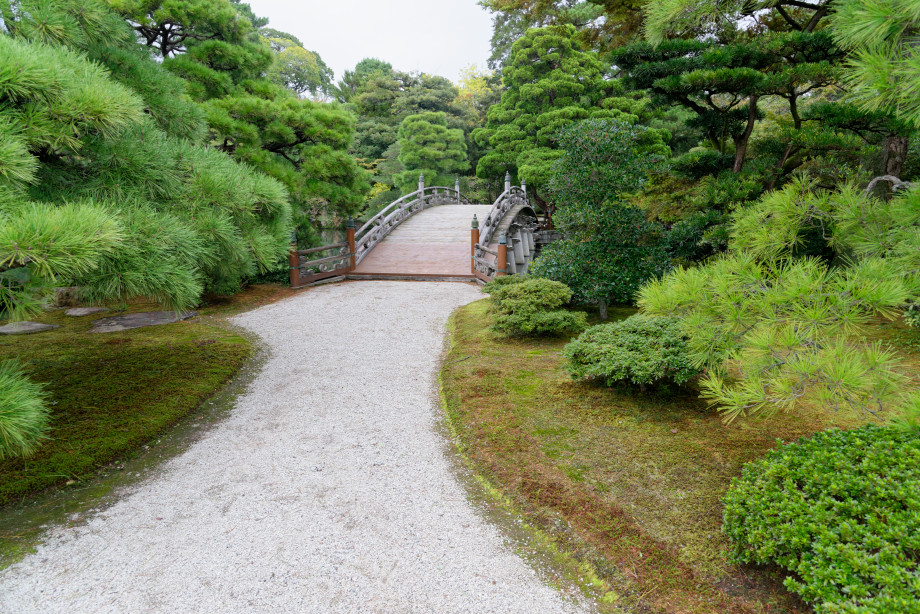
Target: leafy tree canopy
{"type": "Point", "coordinates": [169, 26]}
{"type": "Point", "coordinates": [775, 327]}
{"type": "Point", "coordinates": [549, 82]}
{"type": "Point", "coordinates": [601, 24]}
{"type": "Point", "coordinates": [882, 69]}
{"type": "Point", "coordinates": [301, 71]}
{"type": "Point", "coordinates": [428, 146]}
{"type": "Point", "coordinates": [608, 249]}
{"type": "Point", "coordinates": [353, 80]}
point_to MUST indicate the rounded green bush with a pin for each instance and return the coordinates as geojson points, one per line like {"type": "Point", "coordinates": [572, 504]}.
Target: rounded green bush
{"type": "Point", "coordinates": [841, 510]}
{"type": "Point", "coordinates": [641, 350]}
{"type": "Point", "coordinates": [23, 413]}
{"type": "Point", "coordinates": [530, 307]}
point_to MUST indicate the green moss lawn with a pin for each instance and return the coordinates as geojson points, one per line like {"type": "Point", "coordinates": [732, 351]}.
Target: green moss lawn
{"type": "Point", "coordinates": [628, 482]}
{"type": "Point", "coordinates": [112, 393]}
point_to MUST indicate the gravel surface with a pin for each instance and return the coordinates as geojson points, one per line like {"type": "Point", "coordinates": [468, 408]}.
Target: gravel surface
{"type": "Point", "coordinates": [327, 489]}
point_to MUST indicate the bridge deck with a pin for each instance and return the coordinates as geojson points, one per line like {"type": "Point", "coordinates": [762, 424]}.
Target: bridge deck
{"type": "Point", "coordinates": [432, 243]}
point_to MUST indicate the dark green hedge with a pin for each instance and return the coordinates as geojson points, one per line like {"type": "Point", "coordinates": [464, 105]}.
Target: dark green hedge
{"type": "Point", "coordinates": [841, 510]}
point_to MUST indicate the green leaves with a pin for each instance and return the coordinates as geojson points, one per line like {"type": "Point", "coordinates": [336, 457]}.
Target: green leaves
{"type": "Point", "coordinates": [41, 244]}
{"type": "Point", "coordinates": [23, 412]}
{"type": "Point", "coordinates": [54, 97]}
{"type": "Point", "coordinates": [840, 512]}
{"type": "Point", "coordinates": [884, 65]}
{"type": "Point", "coordinates": [773, 328]}
{"type": "Point", "coordinates": [530, 307]}
{"type": "Point", "coordinates": [428, 145]}
{"type": "Point", "coordinates": [550, 83]}
{"type": "Point", "coordinates": [640, 350]}
{"type": "Point", "coordinates": [609, 249]}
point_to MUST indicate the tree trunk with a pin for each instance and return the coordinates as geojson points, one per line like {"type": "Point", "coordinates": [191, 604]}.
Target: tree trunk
{"type": "Point", "coordinates": [894, 155]}
{"type": "Point", "coordinates": [547, 210]}
{"type": "Point", "coordinates": [741, 141]}
{"type": "Point", "coordinates": [602, 308]}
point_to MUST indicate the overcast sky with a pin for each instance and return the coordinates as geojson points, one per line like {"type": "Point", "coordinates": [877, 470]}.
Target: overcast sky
{"type": "Point", "coordinates": [434, 36]}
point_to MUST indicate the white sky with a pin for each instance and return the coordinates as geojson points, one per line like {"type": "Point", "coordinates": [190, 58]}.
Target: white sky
{"type": "Point", "coordinates": [434, 36]}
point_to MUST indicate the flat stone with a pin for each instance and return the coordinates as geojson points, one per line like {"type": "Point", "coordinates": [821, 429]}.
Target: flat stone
{"type": "Point", "coordinates": [25, 328]}
{"type": "Point", "coordinates": [84, 311]}
{"type": "Point", "coordinates": [116, 324]}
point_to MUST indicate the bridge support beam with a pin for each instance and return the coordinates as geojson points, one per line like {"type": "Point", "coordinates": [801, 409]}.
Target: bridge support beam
{"type": "Point", "coordinates": [294, 266]}
{"type": "Point", "coordinates": [517, 245]}
{"type": "Point", "coordinates": [350, 238]}
{"type": "Point", "coordinates": [502, 264]}
{"type": "Point", "coordinates": [474, 240]}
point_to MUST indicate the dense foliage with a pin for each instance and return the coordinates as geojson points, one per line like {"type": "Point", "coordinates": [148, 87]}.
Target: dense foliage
{"type": "Point", "coordinates": [640, 350]}
{"type": "Point", "coordinates": [609, 248]}
{"type": "Point", "coordinates": [839, 511]}
{"type": "Point", "coordinates": [882, 71]}
{"type": "Point", "coordinates": [784, 323]}
{"type": "Point", "coordinates": [428, 146]}
{"type": "Point", "coordinates": [550, 82]}
{"type": "Point", "coordinates": [530, 307]}
{"type": "Point", "coordinates": [23, 413]}
{"type": "Point", "coordinates": [114, 168]}
{"type": "Point", "coordinates": [383, 100]}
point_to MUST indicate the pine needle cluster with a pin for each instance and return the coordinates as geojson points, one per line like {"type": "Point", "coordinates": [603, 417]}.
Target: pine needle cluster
{"type": "Point", "coordinates": [773, 328]}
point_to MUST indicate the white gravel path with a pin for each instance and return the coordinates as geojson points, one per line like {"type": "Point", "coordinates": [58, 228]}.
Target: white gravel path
{"type": "Point", "coordinates": [326, 489]}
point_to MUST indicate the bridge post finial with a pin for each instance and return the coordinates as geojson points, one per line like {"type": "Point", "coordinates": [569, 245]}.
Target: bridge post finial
{"type": "Point", "coordinates": [507, 180]}
{"type": "Point", "coordinates": [524, 187]}
{"type": "Point", "coordinates": [421, 182]}
{"type": "Point", "coordinates": [475, 221]}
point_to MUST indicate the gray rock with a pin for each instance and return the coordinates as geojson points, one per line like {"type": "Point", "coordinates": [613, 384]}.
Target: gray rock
{"type": "Point", "coordinates": [25, 328]}
{"type": "Point", "coordinates": [116, 324]}
{"type": "Point", "coordinates": [84, 311]}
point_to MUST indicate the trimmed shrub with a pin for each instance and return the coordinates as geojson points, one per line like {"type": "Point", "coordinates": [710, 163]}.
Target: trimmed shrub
{"type": "Point", "coordinates": [494, 287]}
{"type": "Point", "coordinates": [23, 413]}
{"type": "Point", "coordinates": [841, 510]}
{"type": "Point", "coordinates": [530, 307]}
{"type": "Point", "coordinates": [641, 350]}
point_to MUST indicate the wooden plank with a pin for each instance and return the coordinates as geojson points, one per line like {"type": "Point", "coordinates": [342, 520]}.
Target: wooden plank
{"type": "Point", "coordinates": [313, 250]}
{"type": "Point", "coordinates": [306, 280]}
{"type": "Point", "coordinates": [310, 263]}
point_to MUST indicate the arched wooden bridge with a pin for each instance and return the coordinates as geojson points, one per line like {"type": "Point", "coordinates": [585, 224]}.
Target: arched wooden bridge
{"type": "Point", "coordinates": [434, 233]}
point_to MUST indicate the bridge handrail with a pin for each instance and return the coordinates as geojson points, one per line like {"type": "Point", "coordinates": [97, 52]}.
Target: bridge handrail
{"type": "Point", "coordinates": [484, 268]}
{"type": "Point", "coordinates": [502, 205]}
{"type": "Point", "coordinates": [378, 227]}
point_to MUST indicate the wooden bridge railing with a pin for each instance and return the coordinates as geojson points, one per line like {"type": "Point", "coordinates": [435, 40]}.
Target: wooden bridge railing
{"type": "Point", "coordinates": [379, 226]}
{"type": "Point", "coordinates": [513, 253]}
{"type": "Point", "coordinates": [339, 259]}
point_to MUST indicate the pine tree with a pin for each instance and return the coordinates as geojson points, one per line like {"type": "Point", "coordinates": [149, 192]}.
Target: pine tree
{"type": "Point", "coordinates": [775, 328]}
{"type": "Point", "coordinates": [550, 82]}
{"type": "Point", "coordinates": [428, 146]}
{"type": "Point", "coordinates": [103, 185]}
{"type": "Point", "coordinates": [883, 70]}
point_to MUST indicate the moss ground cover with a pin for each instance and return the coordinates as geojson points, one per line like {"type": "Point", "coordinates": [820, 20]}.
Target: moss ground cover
{"type": "Point", "coordinates": [629, 482]}
{"type": "Point", "coordinates": [112, 393]}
